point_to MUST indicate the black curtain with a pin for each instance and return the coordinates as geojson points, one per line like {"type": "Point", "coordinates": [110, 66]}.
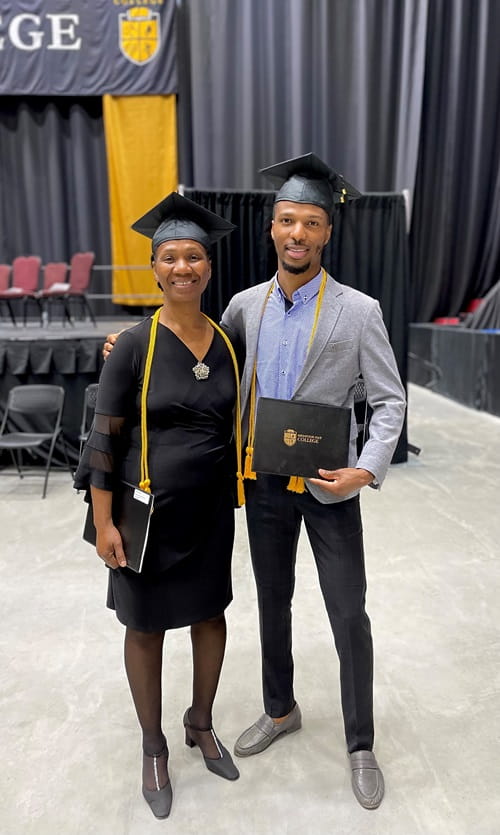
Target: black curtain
{"type": "Point", "coordinates": [54, 184]}
{"type": "Point", "coordinates": [245, 257]}
{"type": "Point", "coordinates": [264, 80]}
{"type": "Point", "coordinates": [339, 78]}
{"type": "Point", "coordinates": [368, 251]}
{"type": "Point", "coordinates": [455, 233]}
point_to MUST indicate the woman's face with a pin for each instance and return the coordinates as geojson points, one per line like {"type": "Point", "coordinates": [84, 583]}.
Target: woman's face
{"type": "Point", "coordinates": [182, 269]}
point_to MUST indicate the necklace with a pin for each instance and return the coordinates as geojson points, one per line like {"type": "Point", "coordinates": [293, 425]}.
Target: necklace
{"type": "Point", "coordinates": [200, 370]}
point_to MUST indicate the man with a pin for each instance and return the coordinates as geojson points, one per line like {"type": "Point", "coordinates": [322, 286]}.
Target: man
{"type": "Point", "coordinates": [310, 338]}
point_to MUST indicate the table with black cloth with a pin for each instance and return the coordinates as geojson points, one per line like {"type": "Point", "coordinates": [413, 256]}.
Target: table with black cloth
{"type": "Point", "coordinates": [68, 357]}
{"type": "Point", "coordinates": [458, 362]}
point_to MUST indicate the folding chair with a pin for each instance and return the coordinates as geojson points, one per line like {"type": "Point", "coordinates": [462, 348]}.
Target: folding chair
{"type": "Point", "coordinates": [75, 290]}
{"type": "Point", "coordinates": [24, 287]}
{"type": "Point", "coordinates": [55, 286]}
{"type": "Point", "coordinates": [21, 425]}
{"type": "Point", "coordinates": [361, 412]}
{"type": "Point", "coordinates": [80, 273]}
{"type": "Point", "coordinates": [89, 401]}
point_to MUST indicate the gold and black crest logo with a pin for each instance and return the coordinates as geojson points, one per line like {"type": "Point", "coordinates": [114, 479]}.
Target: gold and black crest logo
{"type": "Point", "coordinates": [139, 34]}
{"type": "Point", "coordinates": [290, 437]}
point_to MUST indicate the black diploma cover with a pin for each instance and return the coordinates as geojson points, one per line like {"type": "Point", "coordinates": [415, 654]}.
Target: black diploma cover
{"type": "Point", "coordinates": [132, 509]}
{"type": "Point", "coordinates": [294, 437]}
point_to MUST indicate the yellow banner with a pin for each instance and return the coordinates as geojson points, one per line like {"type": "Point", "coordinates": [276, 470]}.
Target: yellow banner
{"type": "Point", "coordinates": [141, 149]}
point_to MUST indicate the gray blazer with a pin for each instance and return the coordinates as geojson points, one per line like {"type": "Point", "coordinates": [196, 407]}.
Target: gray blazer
{"type": "Point", "coordinates": [350, 340]}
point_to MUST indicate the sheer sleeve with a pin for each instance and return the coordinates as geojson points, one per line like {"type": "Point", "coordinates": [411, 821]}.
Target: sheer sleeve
{"type": "Point", "coordinates": [115, 410]}
{"type": "Point", "coordinates": [101, 454]}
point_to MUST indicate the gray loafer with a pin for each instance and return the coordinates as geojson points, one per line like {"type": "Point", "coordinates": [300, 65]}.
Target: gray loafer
{"type": "Point", "coordinates": [264, 731]}
{"type": "Point", "coordinates": [367, 779]}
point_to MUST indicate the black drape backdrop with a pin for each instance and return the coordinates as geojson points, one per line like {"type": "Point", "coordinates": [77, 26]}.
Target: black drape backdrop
{"type": "Point", "coordinates": [368, 251]}
{"type": "Point", "coordinates": [396, 94]}
{"type": "Point", "coordinates": [455, 234]}
{"type": "Point", "coordinates": [54, 183]}
{"type": "Point", "coordinates": [53, 179]}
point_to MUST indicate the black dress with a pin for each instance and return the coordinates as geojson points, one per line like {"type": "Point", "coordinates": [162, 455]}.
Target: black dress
{"type": "Point", "coordinates": [186, 575]}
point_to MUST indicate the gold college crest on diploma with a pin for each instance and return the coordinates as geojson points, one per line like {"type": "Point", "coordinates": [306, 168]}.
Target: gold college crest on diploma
{"type": "Point", "coordinates": [290, 437]}
{"type": "Point", "coordinates": [139, 34]}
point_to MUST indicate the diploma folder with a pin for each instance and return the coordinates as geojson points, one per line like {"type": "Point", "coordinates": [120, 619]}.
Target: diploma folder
{"type": "Point", "coordinates": [294, 437]}
{"type": "Point", "coordinates": [132, 509]}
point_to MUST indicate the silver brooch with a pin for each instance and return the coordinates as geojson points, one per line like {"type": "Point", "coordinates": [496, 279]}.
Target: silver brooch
{"type": "Point", "coordinates": [201, 371]}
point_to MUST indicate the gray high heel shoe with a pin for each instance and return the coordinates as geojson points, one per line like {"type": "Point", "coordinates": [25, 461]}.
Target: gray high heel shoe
{"type": "Point", "coordinates": [223, 766]}
{"type": "Point", "coordinates": [159, 800]}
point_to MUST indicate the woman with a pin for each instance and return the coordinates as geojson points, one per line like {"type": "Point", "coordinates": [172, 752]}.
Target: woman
{"type": "Point", "coordinates": [186, 575]}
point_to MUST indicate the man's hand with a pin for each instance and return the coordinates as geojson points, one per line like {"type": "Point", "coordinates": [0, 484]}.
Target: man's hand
{"type": "Point", "coordinates": [342, 482]}
{"type": "Point", "coordinates": [109, 343]}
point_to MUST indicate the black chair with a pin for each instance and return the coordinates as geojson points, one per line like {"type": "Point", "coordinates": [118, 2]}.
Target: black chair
{"type": "Point", "coordinates": [89, 401]}
{"type": "Point", "coordinates": [362, 413]}
{"type": "Point", "coordinates": [29, 410]}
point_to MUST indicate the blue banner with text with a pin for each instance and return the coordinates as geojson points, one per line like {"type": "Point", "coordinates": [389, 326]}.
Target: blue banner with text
{"type": "Point", "coordinates": [87, 47]}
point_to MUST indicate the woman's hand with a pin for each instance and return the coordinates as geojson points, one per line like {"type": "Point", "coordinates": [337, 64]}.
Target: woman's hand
{"type": "Point", "coordinates": [344, 481]}
{"type": "Point", "coordinates": [109, 546]}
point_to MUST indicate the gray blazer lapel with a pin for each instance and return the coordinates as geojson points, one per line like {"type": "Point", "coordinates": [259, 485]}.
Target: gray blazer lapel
{"type": "Point", "coordinates": [253, 319]}
{"type": "Point", "coordinates": [330, 312]}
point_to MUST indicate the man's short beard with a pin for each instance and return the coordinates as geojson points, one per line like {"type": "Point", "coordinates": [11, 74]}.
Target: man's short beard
{"type": "Point", "coordinates": [295, 270]}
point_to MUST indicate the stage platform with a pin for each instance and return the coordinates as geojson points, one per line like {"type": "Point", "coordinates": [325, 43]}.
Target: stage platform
{"type": "Point", "coordinates": [458, 362]}
{"type": "Point", "coordinates": [68, 355]}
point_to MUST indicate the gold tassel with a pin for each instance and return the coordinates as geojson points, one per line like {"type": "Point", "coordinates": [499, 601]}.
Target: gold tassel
{"type": "Point", "coordinates": [248, 472]}
{"type": "Point", "coordinates": [240, 488]}
{"type": "Point", "coordinates": [145, 485]}
{"type": "Point", "coordinates": [296, 484]}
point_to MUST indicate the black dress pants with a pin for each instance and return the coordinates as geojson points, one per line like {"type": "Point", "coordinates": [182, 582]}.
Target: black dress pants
{"type": "Point", "coordinates": [274, 516]}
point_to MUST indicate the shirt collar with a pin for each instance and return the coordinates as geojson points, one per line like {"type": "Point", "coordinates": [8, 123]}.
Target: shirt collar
{"type": "Point", "coordinates": [305, 293]}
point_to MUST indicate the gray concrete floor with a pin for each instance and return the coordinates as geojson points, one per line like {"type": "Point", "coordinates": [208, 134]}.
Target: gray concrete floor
{"type": "Point", "coordinates": [70, 748]}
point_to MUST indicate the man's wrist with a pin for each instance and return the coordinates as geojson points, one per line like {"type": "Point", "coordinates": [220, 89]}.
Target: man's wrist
{"type": "Point", "coordinates": [368, 477]}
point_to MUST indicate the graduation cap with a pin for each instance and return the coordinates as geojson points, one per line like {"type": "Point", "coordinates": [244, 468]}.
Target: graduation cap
{"type": "Point", "coordinates": [176, 217]}
{"type": "Point", "coordinates": [307, 179]}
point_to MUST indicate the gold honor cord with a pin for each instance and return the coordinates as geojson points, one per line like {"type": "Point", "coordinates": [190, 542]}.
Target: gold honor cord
{"type": "Point", "coordinates": [239, 475]}
{"type": "Point", "coordinates": [145, 483]}
{"type": "Point", "coordinates": [296, 483]}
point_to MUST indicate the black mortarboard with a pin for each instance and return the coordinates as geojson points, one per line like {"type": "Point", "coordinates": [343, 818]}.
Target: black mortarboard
{"type": "Point", "coordinates": [176, 217]}
{"type": "Point", "coordinates": [307, 179]}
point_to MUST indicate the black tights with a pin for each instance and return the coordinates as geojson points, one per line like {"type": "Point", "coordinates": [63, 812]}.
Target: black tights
{"type": "Point", "coordinates": [143, 663]}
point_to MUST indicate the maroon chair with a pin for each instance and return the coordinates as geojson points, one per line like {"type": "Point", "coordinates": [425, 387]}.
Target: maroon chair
{"type": "Point", "coordinates": [55, 286]}
{"type": "Point", "coordinates": [24, 287]}
{"type": "Point", "coordinates": [5, 271]}
{"type": "Point", "coordinates": [80, 273]}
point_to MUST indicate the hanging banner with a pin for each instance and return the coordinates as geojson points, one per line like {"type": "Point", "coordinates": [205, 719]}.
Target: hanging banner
{"type": "Point", "coordinates": [87, 47]}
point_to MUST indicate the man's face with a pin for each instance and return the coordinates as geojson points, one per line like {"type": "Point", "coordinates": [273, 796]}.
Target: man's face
{"type": "Point", "coordinates": [300, 231]}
